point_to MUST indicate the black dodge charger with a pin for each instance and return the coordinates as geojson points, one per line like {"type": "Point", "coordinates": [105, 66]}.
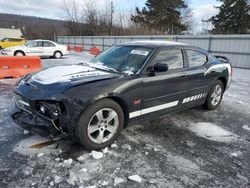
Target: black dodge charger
{"type": "Point", "coordinates": [93, 101]}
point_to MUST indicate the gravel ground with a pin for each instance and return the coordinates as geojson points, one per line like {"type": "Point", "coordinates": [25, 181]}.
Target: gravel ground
{"type": "Point", "coordinates": [194, 148]}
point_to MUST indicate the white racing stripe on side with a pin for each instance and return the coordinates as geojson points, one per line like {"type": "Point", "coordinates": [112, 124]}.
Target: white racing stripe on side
{"type": "Point", "coordinates": [193, 98]}
{"type": "Point", "coordinates": [224, 65]}
{"type": "Point", "coordinates": [135, 114]}
{"type": "Point", "coordinates": [153, 109]}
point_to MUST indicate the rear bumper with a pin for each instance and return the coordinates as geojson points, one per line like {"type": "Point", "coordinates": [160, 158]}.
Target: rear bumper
{"type": "Point", "coordinates": [66, 53]}
{"type": "Point", "coordinates": [34, 123]}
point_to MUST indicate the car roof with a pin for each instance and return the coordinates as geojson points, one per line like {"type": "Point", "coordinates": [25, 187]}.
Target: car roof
{"type": "Point", "coordinates": [42, 40]}
{"type": "Point", "coordinates": [12, 38]}
{"type": "Point", "coordinates": [155, 43]}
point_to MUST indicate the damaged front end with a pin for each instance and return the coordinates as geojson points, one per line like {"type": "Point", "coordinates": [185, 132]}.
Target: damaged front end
{"type": "Point", "coordinates": [40, 117]}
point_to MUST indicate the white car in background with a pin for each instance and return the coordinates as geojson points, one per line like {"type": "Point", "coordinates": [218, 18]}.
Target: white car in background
{"type": "Point", "coordinates": [42, 48]}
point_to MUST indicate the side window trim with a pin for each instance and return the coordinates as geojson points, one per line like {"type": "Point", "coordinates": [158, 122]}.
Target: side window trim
{"type": "Point", "coordinates": [195, 50]}
{"type": "Point", "coordinates": [171, 48]}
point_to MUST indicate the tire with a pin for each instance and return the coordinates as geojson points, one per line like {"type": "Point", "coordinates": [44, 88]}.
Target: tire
{"type": "Point", "coordinates": [214, 96]}
{"type": "Point", "coordinates": [93, 128]}
{"type": "Point", "coordinates": [58, 55]}
{"type": "Point", "coordinates": [19, 53]}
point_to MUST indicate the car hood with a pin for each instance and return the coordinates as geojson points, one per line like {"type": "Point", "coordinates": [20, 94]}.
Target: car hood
{"type": "Point", "coordinates": [71, 75]}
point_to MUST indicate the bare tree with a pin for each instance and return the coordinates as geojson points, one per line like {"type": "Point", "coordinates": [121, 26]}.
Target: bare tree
{"type": "Point", "coordinates": [72, 15]}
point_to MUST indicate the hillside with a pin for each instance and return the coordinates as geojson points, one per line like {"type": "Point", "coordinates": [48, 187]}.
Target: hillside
{"type": "Point", "coordinates": [34, 27]}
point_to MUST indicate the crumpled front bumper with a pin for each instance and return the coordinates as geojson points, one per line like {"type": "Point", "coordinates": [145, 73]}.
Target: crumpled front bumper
{"type": "Point", "coordinates": [34, 123]}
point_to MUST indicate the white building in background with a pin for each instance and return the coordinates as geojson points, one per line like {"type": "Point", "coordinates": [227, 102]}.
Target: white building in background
{"type": "Point", "coordinates": [10, 33]}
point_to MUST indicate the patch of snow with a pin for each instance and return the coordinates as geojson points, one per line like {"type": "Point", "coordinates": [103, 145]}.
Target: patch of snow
{"type": "Point", "coordinates": [81, 158]}
{"type": "Point", "coordinates": [118, 180]}
{"type": "Point", "coordinates": [84, 170]}
{"type": "Point", "coordinates": [103, 183]}
{"type": "Point", "coordinates": [58, 159]}
{"type": "Point", "coordinates": [237, 154]}
{"type": "Point", "coordinates": [92, 186]}
{"type": "Point", "coordinates": [105, 150]}
{"type": "Point", "coordinates": [60, 73]}
{"type": "Point", "coordinates": [211, 131]}
{"type": "Point", "coordinates": [57, 179]}
{"type": "Point", "coordinates": [156, 149]}
{"type": "Point", "coordinates": [246, 127]}
{"type": "Point", "coordinates": [96, 154]}
{"type": "Point", "coordinates": [135, 178]}
{"type": "Point", "coordinates": [40, 155]}
{"type": "Point", "coordinates": [68, 162]}
{"type": "Point", "coordinates": [26, 132]}
{"type": "Point", "coordinates": [230, 95]}
{"type": "Point", "coordinates": [23, 147]}
{"type": "Point", "coordinates": [52, 183]}
{"type": "Point", "coordinates": [233, 4]}
{"type": "Point", "coordinates": [239, 102]}
{"type": "Point", "coordinates": [114, 146]}
{"type": "Point", "coordinates": [126, 146]}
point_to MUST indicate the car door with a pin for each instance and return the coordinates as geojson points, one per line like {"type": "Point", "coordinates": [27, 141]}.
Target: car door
{"type": "Point", "coordinates": [199, 82]}
{"type": "Point", "coordinates": [14, 42]}
{"type": "Point", "coordinates": [35, 49]}
{"type": "Point", "coordinates": [164, 91]}
{"type": "Point", "coordinates": [48, 48]}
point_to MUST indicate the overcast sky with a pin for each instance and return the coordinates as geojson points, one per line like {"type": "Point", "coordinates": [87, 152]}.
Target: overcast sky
{"type": "Point", "coordinates": [202, 9]}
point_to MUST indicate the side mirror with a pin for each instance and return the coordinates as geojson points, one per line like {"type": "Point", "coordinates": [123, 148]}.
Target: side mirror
{"type": "Point", "coordinates": [161, 67]}
{"type": "Point", "coordinates": [158, 67]}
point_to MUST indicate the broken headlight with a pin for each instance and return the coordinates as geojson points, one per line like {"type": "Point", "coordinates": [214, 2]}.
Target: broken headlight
{"type": "Point", "coordinates": [49, 109]}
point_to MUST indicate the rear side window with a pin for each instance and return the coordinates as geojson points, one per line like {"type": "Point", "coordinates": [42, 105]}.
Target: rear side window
{"type": "Point", "coordinates": [195, 58]}
{"type": "Point", "coordinates": [48, 44]}
{"type": "Point", "coordinates": [173, 58]}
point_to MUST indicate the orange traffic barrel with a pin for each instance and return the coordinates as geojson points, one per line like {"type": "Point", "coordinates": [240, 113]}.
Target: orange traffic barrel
{"type": "Point", "coordinates": [18, 66]}
{"type": "Point", "coordinates": [94, 51]}
{"type": "Point", "coordinates": [78, 49]}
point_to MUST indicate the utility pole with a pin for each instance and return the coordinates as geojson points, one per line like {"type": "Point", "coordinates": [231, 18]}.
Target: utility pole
{"type": "Point", "coordinates": [111, 17]}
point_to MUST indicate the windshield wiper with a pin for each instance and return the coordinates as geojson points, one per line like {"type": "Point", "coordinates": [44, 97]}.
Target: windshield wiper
{"type": "Point", "coordinates": [99, 66]}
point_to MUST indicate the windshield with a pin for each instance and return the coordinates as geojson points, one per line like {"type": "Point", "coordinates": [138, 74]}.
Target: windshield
{"type": "Point", "coordinates": [126, 59]}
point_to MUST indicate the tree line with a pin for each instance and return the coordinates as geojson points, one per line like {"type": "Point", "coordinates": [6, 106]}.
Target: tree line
{"type": "Point", "coordinates": [156, 17]}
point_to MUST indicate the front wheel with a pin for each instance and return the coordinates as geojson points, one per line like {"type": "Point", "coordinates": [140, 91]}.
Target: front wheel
{"type": "Point", "coordinates": [214, 96]}
{"type": "Point", "coordinates": [100, 125]}
{"type": "Point", "coordinates": [19, 53]}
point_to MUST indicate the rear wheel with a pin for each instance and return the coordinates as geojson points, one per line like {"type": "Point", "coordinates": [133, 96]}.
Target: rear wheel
{"type": "Point", "coordinates": [58, 55]}
{"type": "Point", "coordinates": [214, 96]}
{"type": "Point", "coordinates": [19, 53]}
{"type": "Point", "coordinates": [100, 125]}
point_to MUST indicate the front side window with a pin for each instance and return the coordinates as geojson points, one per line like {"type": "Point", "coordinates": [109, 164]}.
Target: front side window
{"type": "Point", "coordinates": [195, 58]}
{"type": "Point", "coordinates": [37, 44]}
{"type": "Point", "coordinates": [172, 57]}
{"type": "Point", "coordinates": [5, 40]}
{"type": "Point", "coordinates": [127, 59]}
